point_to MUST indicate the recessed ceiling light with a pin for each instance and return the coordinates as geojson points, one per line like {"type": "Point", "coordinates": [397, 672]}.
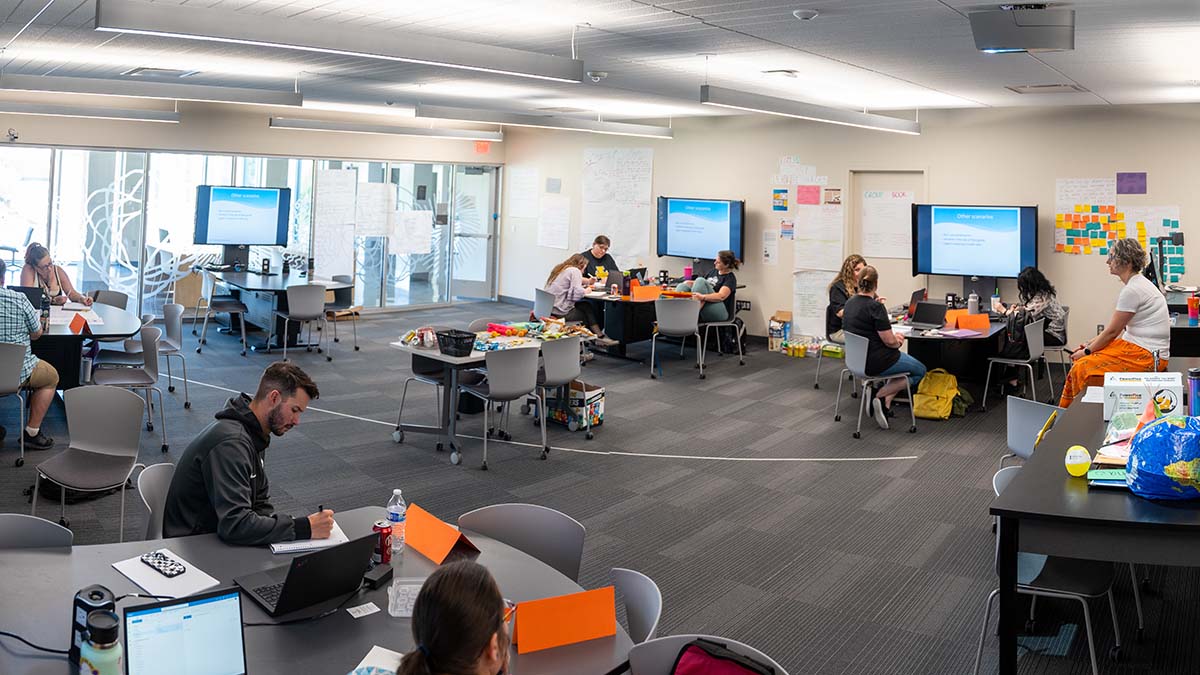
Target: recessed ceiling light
{"type": "Point", "coordinates": [806, 14]}
{"type": "Point", "coordinates": [159, 73]}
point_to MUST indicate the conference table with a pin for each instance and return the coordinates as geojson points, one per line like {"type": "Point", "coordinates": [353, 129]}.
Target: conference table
{"type": "Point", "coordinates": [38, 586]}
{"type": "Point", "coordinates": [63, 348]}
{"type": "Point", "coordinates": [1045, 510]}
{"type": "Point", "coordinates": [964, 357]}
{"type": "Point", "coordinates": [264, 295]}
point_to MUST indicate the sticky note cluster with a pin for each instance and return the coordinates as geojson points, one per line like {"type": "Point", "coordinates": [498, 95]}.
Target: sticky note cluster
{"type": "Point", "coordinates": [1088, 228]}
{"type": "Point", "coordinates": [1173, 266]}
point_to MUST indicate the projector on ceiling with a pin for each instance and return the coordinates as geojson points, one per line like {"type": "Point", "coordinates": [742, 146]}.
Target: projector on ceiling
{"type": "Point", "coordinates": [1023, 29]}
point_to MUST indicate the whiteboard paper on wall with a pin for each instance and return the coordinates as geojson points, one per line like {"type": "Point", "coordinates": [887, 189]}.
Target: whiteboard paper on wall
{"type": "Point", "coordinates": [887, 223]}
{"type": "Point", "coordinates": [1071, 191]}
{"type": "Point", "coordinates": [817, 242]}
{"type": "Point", "coordinates": [524, 189]}
{"type": "Point", "coordinates": [554, 222]}
{"type": "Point", "coordinates": [627, 225]}
{"type": "Point", "coordinates": [333, 197]}
{"type": "Point", "coordinates": [770, 247]}
{"type": "Point", "coordinates": [1152, 217]}
{"type": "Point", "coordinates": [333, 250]}
{"type": "Point", "coordinates": [616, 190]}
{"type": "Point", "coordinates": [809, 298]}
{"type": "Point", "coordinates": [373, 209]}
{"type": "Point", "coordinates": [412, 232]}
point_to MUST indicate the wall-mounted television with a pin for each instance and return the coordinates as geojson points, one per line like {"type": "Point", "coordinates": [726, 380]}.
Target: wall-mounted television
{"type": "Point", "coordinates": [980, 241]}
{"type": "Point", "coordinates": [699, 228]}
{"type": "Point", "coordinates": [242, 216]}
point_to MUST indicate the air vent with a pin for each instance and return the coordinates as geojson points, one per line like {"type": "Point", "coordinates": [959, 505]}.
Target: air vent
{"type": "Point", "coordinates": [782, 72]}
{"type": "Point", "coordinates": [159, 73]}
{"type": "Point", "coordinates": [1046, 89]}
{"type": "Point", "coordinates": [563, 110]}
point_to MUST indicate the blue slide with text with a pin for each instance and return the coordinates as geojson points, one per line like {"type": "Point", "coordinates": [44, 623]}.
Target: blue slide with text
{"type": "Point", "coordinates": [239, 215]}
{"type": "Point", "coordinates": [972, 240]}
{"type": "Point", "coordinates": [697, 228]}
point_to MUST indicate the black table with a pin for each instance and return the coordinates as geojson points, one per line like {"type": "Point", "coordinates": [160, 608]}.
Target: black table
{"type": "Point", "coordinates": [264, 295]}
{"type": "Point", "coordinates": [63, 349]}
{"type": "Point", "coordinates": [625, 321]}
{"type": "Point", "coordinates": [1185, 336]}
{"type": "Point", "coordinates": [38, 586]}
{"type": "Point", "coordinates": [1044, 510]}
{"type": "Point", "coordinates": [964, 357]}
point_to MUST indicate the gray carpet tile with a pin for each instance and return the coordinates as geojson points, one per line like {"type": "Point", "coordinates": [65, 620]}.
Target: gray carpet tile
{"type": "Point", "coordinates": [833, 567]}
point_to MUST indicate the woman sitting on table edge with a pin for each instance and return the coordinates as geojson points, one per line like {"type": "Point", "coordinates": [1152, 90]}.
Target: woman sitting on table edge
{"type": "Point", "coordinates": [1038, 301]}
{"type": "Point", "coordinates": [1141, 320]}
{"type": "Point", "coordinates": [840, 290]}
{"type": "Point", "coordinates": [568, 285]}
{"type": "Point", "coordinates": [715, 291]}
{"type": "Point", "coordinates": [459, 624]}
{"type": "Point", "coordinates": [40, 271]}
{"type": "Point", "coordinates": [866, 316]}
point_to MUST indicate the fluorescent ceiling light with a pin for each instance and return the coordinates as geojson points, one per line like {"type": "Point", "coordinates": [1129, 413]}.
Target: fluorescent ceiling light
{"type": "Point", "coordinates": [400, 110]}
{"type": "Point", "coordinates": [23, 108]}
{"type": "Point", "coordinates": [740, 100]}
{"type": "Point", "coordinates": [357, 128]}
{"type": "Point", "coordinates": [215, 25]}
{"type": "Point", "coordinates": [141, 89]}
{"type": "Point", "coordinates": [539, 122]}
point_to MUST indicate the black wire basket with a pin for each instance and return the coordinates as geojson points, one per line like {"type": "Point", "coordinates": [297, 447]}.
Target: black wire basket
{"type": "Point", "coordinates": [455, 342]}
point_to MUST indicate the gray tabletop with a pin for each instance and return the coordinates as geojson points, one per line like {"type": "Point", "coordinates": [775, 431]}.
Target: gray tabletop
{"type": "Point", "coordinates": [38, 586]}
{"type": "Point", "coordinates": [277, 283]}
{"type": "Point", "coordinates": [118, 323]}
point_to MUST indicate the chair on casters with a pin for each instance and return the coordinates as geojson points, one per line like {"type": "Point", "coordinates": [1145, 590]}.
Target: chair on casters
{"type": "Point", "coordinates": [1054, 577]}
{"type": "Point", "coordinates": [220, 304]}
{"type": "Point", "coordinates": [152, 484]}
{"type": "Point", "coordinates": [343, 300]}
{"type": "Point", "coordinates": [1035, 339]}
{"type": "Point", "coordinates": [820, 358]}
{"type": "Point", "coordinates": [18, 530]}
{"type": "Point", "coordinates": [717, 325]}
{"type": "Point", "coordinates": [111, 298]}
{"type": "Point", "coordinates": [144, 379]}
{"type": "Point", "coordinates": [560, 367]}
{"type": "Point", "coordinates": [1061, 350]}
{"type": "Point", "coordinates": [169, 345]}
{"type": "Point", "coordinates": [511, 375]}
{"type": "Point", "coordinates": [12, 253]}
{"type": "Point", "coordinates": [657, 657]}
{"type": "Point", "coordinates": [543, 304]}
{"type": "Point", "coordinates": [306, 304]}
{"type": "Point", "coordinates": [105, 435]}
{"type": "Point", "coordinates": [551, 536]}
{"type": "Point", "coordinates": [856, 366]}
{"type": "Point", "coordinates": [643, 603]}
{"type": "Point", "coordinates": [677, 318]}
{"type": "Point", "coordinates": [12, 359]}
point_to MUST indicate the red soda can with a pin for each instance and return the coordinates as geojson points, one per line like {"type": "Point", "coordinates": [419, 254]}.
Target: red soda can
{"type": "Point", "coordinates": [383, 545]}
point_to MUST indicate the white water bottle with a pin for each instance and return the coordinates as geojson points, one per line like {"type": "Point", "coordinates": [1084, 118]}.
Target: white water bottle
{"type": "Point", "coordinates": [396, 509]}
{"type": "Point", "coordinates": [973, 303]}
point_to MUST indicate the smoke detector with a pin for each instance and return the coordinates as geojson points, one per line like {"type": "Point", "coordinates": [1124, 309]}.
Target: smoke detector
{"type": "Point", "coordinates": [806, 14]}
{"type": "Point", "coordinates": [596, 75]}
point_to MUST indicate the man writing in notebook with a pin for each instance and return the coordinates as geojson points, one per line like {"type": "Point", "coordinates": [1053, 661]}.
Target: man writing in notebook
{"type": "Point", "coordinates": [220, 484]}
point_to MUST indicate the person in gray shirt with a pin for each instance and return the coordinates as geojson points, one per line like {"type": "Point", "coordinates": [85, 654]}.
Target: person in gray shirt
{"type": "Point", "coordinates": [220, 484]}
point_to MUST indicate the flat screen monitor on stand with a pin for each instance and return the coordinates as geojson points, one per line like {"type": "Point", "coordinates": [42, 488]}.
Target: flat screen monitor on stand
{"type": "Point", "coordinates": [979, 243]}
{"type": "Point", "coordinates": [237, 218]}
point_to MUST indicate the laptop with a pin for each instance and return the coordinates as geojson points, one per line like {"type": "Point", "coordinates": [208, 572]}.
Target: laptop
{"type": "Point", "coordinates": [32, 292]}
{"type": "Point", "coordinates": [917, 297]}
{"type": "Point", "coordinates": [199, 633]}
{"type": "Point", "coordinates": [311, 578]}
{"type": "Point", "coordinates": [928, 315]}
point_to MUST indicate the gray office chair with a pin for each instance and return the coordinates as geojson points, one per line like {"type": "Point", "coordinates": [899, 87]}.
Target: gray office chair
{"type": "Point", "coordinates": [657, 657]}
{"type": "Point", "coordinates": [144, 379]}
{"type": "Point", "coordinates": [220, 304]}
{"type": "Point", "coordinates": [511, 375]}
{"type": "Point", "coordinates": [1062, 351]}
{"type": "Point", "coordinates": [856, 366]}
{"type": "Point", "coordinates": [677, 317]}
{"type": "Point", "coordinates": [343, 300]}
{"type": "Point", "coordinates": [12, 359]}
{"type": "Point", "coordinates": [105, 436]}
{"type": "Point", "coordinates": [169, 345]}
{"type": "Point", "coordinates": [1054, 577]}
{"type": "Point", "coordinates": [111, 298]}
{"type": "Point", "coordinates": [821, 357]}
{"type": "Point", "coordinates": [643, 603]}
{"type": "Point", "coordinates": [306, 304]}
{"type": "Point", "coordinates": [708, 326]}
{"type": "Point", "coordinates": [543, 304]}
{"type": "Point", "coordinates": [1025, 421]}
{"type": "Point", "coordinates": [481, 324]}
{"type": "Point", "coordinates": [560, 367]}
{"type": "Point", "coordinates": [1035, 339]}
{"type": "Point", "coordinates": [12, 253]}
{"type": "Point", "coordinates": [152, 484]}
{"type": "Point", "coordinates": [18, 530]}
{"type": "Point", "coordinates": [551, 536]}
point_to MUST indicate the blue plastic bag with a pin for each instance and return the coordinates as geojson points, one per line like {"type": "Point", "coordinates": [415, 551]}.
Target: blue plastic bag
{"type": "Point", "coordinates": [1164, 459]}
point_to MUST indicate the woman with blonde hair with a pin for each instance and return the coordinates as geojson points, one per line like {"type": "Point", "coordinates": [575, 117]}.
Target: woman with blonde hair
{"type": "Point", "coordinates": [566, 282]}
{"type": "Point", "coordinates": [1139, 328]}
{"type": "Point", "coordinates": [40, 271]}
{"type": "Point", "coordinates": [844, 285]}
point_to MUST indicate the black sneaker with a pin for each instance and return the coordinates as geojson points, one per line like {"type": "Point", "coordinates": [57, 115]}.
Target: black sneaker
{"type": "Point", "coordinates": [39, 442]}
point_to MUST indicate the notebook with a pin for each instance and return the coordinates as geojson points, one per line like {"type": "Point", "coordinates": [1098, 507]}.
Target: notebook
{"type": "Point", "coordinates": [336, 536]}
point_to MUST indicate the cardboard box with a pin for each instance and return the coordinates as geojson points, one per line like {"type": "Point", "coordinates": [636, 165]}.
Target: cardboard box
{"type": "Point", "coordinates": [582, 399]}
{"type": "Point", "coordinates": [1130, 392]}
{"type": "Point", "coordinates": [779, 329]}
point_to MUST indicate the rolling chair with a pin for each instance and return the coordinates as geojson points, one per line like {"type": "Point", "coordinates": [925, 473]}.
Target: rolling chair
{"type": "Point", "coordinates": [12, 251]}
{"type": "Point", "coordinates": [306, 305]}
{"type": "Point", "coordinates": [144, 379]}
{"type": "Point", "coordinates": [343, 301]}
{"type": "Point", "coordinates": [856, 365]}
{"type": "Point", "coordinates": [677, 318]}
{"type": "Point", "coordinates": [511, 375]}
{"type": "Point", "coordinates": [1035, 340]}
{"type": "Point", "coordinates": [12, 359]}
{"type": "Point", "coordinates": [543, 304]}
{"type": "Point", "coordinates": [218, 304]}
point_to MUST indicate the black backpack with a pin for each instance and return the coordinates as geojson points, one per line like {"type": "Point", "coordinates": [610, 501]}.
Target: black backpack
{"type": "Point", "coordinates": [728, 342]}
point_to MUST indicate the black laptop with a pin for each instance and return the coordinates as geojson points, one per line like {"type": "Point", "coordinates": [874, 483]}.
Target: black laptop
{"type": "Point", "coordinates": [929, 315]}
{"type": "Point", "coordinates": [311, 578]}
{"type": "Point", "coordinates": [32, 292]}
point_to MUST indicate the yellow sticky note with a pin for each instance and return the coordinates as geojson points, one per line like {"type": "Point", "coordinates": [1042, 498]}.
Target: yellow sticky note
{"type": "Point", "coordinates": [1079, 208]}
{"type": "Point", "coordinates": [1103, 218]}
{"type": "Point", "coordinates": [1087, 250]}
{"type": "Point", "coordinates": [1059, 217]}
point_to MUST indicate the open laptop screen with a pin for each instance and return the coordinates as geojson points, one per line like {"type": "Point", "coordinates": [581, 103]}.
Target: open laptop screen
{"type": "Point", "coordinates": [196, 635]}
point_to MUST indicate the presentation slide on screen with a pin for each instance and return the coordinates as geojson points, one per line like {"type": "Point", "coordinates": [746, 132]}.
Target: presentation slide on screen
{"type": "Point", "coordinates": [240, 215]}
{"type": "Point", "coordinates": [983, 241]}
{"type": "Point", "coordinates": [697, 228]}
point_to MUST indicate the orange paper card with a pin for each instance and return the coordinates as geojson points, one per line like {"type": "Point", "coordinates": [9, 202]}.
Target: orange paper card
{"type": "Point", "coordinates": [430, 536]}
{"type": "Point", "coordinates": [79, 325]}
{"type": "Point", "coordinates": [977, 322]}
{"type": "Point", "coordinates": [952, 316]}
{"type": "Point", "coordinates": [565, 620]}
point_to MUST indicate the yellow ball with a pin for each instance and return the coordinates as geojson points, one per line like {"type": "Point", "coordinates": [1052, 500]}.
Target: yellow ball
{"type": "Point", "coordinates": [1078, 460]}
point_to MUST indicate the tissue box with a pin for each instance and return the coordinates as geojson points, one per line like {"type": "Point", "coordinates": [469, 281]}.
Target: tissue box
{"type": "Point", "coordinates": [1130, 392]}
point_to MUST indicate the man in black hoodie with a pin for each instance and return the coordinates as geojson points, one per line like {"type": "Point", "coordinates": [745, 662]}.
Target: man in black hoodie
{"type": "Point", "coordinates": [220, 483]}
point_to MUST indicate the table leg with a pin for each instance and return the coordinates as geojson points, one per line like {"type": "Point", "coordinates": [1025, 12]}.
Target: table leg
{"type": "Point", "coordinates": [452, 409]}
{"type": "Point", "coordinates": [1009, 616]}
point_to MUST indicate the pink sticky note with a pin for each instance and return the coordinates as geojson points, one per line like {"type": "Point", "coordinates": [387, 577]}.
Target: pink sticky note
{"type": "Point", "coordinates": [808, 194]}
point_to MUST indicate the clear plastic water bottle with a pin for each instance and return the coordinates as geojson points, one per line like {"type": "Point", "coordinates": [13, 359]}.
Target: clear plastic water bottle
{"type": "Point", "coordinates": [396, 509]}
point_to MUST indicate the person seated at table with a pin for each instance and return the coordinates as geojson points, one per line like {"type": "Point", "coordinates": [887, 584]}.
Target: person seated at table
{"type": "Point", "coordinates": [220, 483]}
{"type": "Point", "coordinates": [1038, 301]}
{"type": "Point", "coordinates": [840, 290]}
{"type": "Point", "coordinates": [40, 271]}
{"type": "Point", "coordinates": [866, 316]}
{"type": "Point", "coordinates": [717, 290]}
{"type": "Point", "coordinates": [20, 323]}
{"type": "Point", "coordinates": [598, 256]}
{"type": "Point", "coordinates": [1141, 320]}
{"type": "Point", "coordinates": [459, 625]}
{"type": "Point", "coordinates": [568, 286]}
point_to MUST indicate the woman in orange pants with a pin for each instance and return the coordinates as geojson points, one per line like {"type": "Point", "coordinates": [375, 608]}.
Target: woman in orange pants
{"type": "Point", "coordinates": [1141, 320]}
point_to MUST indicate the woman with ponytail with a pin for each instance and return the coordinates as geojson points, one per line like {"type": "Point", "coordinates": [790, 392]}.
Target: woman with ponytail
{"type": "Point", "coordinates": [459, 625]}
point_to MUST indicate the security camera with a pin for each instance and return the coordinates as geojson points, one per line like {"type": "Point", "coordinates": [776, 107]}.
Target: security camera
{"type": "Point", "coordinates": [12, 136]}
{"type": "Point", "coordinates": [805, 14]}
{"type": "Point", "coordinates": [596, 75]}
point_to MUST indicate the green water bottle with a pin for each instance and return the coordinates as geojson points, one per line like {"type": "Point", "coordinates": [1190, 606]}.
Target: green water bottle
{"type": "Point", "coordinates": [100, 653]}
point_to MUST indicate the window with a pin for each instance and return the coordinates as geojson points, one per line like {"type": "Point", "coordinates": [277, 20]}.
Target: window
{"type": "Point", "coordinates": [24, 196]}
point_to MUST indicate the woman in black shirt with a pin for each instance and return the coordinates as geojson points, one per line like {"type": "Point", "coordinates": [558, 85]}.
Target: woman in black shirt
{"type": "Point", "coordinates": [598, 256]}
{"type": "Point", "coordinates": [840, 290]}
{"type": "Point", "coordinates": [865, 315]}
{"type": "Point", "coordinates": [717, 290]}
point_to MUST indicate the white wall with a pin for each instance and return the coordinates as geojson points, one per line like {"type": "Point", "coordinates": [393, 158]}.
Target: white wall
{"type": "Point", "coordinates": [995, 156]}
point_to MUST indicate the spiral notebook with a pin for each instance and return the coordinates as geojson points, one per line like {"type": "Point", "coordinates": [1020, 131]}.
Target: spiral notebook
{"type": "Point", "coordinates": [336, 536]}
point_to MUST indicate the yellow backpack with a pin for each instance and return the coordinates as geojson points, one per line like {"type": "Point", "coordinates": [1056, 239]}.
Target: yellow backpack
{"type": "Point", "coordinates": [934, 399]}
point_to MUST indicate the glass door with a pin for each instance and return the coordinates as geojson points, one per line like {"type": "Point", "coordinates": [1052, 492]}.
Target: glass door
{"type": "Point", "coordinates": [473, 216]}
